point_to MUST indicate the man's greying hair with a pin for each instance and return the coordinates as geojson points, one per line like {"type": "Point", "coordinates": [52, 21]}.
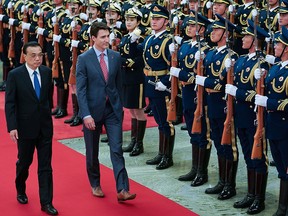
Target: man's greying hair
{"type": "Point", "coordinates": [30, 44]}
{"type": "Point", "coordinates": [96, 26]}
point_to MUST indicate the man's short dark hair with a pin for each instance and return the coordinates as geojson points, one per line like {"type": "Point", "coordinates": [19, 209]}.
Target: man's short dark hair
{"type": "Point", "coordinates": [30, 44]}
{"type": "Point", "coordinates": [96, 26]}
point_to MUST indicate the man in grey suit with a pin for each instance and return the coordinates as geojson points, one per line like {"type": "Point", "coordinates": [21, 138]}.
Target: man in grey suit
{"type": "Point", "coordinates": [98, 82]}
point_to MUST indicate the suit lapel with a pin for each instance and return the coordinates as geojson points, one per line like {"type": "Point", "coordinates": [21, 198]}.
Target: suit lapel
{"type": "Point", "coordinates": [27, 79]}
{"type": "Point", "coordinates": [94, 58]}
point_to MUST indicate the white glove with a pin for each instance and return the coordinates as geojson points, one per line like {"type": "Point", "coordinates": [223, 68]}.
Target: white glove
{"type": "Point", "coordinates": [73, 24]}
{"type": "Point", "coordinates": [270, 59]}
{"type": "Point", "coordinates": [88, 30]}
{"type": "Point", "coordinates": [9, 6]}
{"type": "Point", "coordinates": [175, 71]}
{"type": "Point", "coordinates": [228, 64]}
{"type": "Point", "coordinates": [1, 17]}
{"type": "Point", "coordinates": [208, 5]}
{"type": "Point", "coordinates": [178, 39]}
{"type": "Point", "coordinates": [230, 89]}
{"type": "Point", "coordinates": [38, 12]}
{"type": "Point", "coordinates": [25, 25]}
{"type": "Point", "coordinates": [135, 35]}
{"type": "Point", "coordinates": [175, 20]}
{"type": "Point", "coordinates": [231, 8]}
{"type": "Point", "coordinates": [56, 38]}
{"type": "Point", "coordinates": [74, 43]}
{"type": "Point", "coordinates": [261, 100]}
{"type": "Point", "coordinates": [172, 48]}
{"type": "Point", "coordinates": [200, 80]}
{"type": "Point", "coordinates": [53, 20]}
{"type": "Point", "coordinates": [198, 57]}
{"type": "Point", "coordinates": [83, 16]}
{"type": "Point", "coordinates": [254, 13]}
{"type": "Point", "coordinates": [118, 24]}
{"type": "Point", "coordinates": [257, 74]}
{"type": "Point", "coordinates": [184, 2]}
{"type": "Point", "coordinates": [267, 39]}
{"type": "Point", "coordinates": [11, 21]}
{"type": "Point", "coordinates": [112, 37]}
{"type": "Point", "coordinates": [40, 31]}
{"type": "Point", "coordinates": [160, 86]}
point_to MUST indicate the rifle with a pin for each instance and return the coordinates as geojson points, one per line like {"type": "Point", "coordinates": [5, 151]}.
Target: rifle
{"type": "Point", "coordinates": [11, 49]}
{"type": "Point", "coordinates": [174, 30]}
{"type": "Point", "coordinates": [55, 63]}
{"type": "Point", "coordinates": [25, 33]}
{"type": "Point", "coordinates": [1, 28]}
{"type": "Point", "coordinates": [41, 25]}
{"type": "Point", "coordinates": [198, 114]}
{"type": "Point", "coordinates": [90, 19]}
{"type": "Point", "coordinates": [114, 44]}
{"type": "Point", "coordinates": [257, 149]}
{"type": "Point", "coordinates": [72, 76]}
{"type": "Point", "coordinates": [167, 90]}
{"type": "Point", "coordinates": [269, 48]}
{"type": "Point", "coordinates": [228, 124]}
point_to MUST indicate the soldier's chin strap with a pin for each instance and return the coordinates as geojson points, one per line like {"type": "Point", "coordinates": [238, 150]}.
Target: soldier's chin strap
{"type": "Point", "coordinates": [220, 37]}
{"type": "Point", "coordinates": [252, 43]}
{"type": "Point", "coordinates": [282, 51]}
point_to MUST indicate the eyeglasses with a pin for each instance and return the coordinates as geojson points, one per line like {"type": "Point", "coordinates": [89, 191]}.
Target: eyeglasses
{"type": "Point", "coordinates": [34, 55]}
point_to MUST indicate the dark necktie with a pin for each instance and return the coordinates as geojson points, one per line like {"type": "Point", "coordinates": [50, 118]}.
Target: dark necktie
{"type": "Point", "coordinates": [103, 67]}
{"type": "Point", "coordinates": [36, 84]}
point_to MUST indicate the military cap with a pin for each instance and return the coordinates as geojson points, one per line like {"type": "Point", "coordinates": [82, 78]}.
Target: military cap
{"type": "Point", "coordinates": [159, 11]}
{"type": "Point", "coordinates": [220, 22]}
{"type": "Point", "coordinates": [94, 3]}
{"type": "Point", "coordinates": [283, 37]}
{"type": "Point", "coordinates": [261, 33]}
{"type": "Point", "coordinates": [114, 7]}
{"type": "Point", "coordinates": [283, 7]}
{"type": "Point", "coordinates": [80, 2]}
{"type": "Point", "coordinates": [133, 12]}
{"type": "Point", "coordinates": [202, 20]}
{"type": "Point", "coordinates": [227, 2]}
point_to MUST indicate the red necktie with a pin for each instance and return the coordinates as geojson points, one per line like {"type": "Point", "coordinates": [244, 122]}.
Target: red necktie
{"type": "Point", "coordinates": [103, 66]}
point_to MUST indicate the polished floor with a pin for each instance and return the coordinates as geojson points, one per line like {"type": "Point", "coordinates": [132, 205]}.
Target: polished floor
{"type": "Point", "coordinates": [165, 181]}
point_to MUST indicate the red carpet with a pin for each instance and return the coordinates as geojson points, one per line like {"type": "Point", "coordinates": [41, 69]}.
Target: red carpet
{"type": "Point", "coordinates": [72, 195]}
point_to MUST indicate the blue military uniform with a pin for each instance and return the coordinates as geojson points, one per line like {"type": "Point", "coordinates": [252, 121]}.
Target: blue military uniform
{"type": "Point", "coordinates": [156, 58]}
{"type": "Point", "coordinates": [257, 170]}
{"type": "Point", "coordinates": [201, 146]}
{"type": "Point", "coordinates": [214, 65]}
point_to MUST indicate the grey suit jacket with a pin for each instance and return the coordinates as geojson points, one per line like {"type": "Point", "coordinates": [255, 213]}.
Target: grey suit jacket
{"type": "Point", "coordinates": [92, 88]}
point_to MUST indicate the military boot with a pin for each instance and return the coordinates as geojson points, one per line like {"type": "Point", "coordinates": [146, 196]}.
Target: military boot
{"type": "Point", "coordinates": [192, 173]}
{"type": "Point", "coordinates": [167, 159]}
{"type": "Point", "coordinates": [157, 159]}
{"type": "Point", "coordinates": [138, 147]}
{"type": "Point", "coordinates": [230, 181]}
{"type": "Point", "coordinates": [75, 110]}
{"type": "Point", "coordinates": [220, 185]}
{"type": "Point", "coordinates": [62, 112]}
{"type": "Point", "coordinates": [202, 172]}
{"type": "Point", "coordinates": [77, 120]}
{"type": "Point", "coordinates": [130, 146]}
{"type": "Point", "coordinates": [283, 199]}
{"type": "Point", "coordinates": [260, 190]}
{"type": "Point", "coordinates": [55, 111]}
{"type": "Point", "coordinates": [250, 196]}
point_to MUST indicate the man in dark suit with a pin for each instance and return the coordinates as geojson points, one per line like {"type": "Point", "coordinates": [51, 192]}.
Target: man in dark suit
{"type": "Point", "coordinates": [29, 123]}
{"type": "Point", "coordinates": [98, 81]}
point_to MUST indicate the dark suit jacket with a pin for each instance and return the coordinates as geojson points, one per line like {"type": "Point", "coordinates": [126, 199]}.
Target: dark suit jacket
{"type": "Point", "coordinates": [24, 111]}
{"type": "Point", "coordinates": [92, 88]}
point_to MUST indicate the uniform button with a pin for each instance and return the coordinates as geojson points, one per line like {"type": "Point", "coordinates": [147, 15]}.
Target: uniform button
{"type": "Point", "coordinates": [283, 119]}
{"type": "Point", "coordinates": [269, 92]}
{"type": "Point", "coordinates": [251, 106]}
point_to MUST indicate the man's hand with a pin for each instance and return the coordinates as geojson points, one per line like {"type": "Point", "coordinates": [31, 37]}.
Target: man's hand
{"type": "Point", "coordinates": [261, 100]}
{"type": "Point", "coordinates": [14, 135]}
{"type": "Point", "coordinates": [160, 86]}
{"type": "Point", "coordinates": [89, 123]}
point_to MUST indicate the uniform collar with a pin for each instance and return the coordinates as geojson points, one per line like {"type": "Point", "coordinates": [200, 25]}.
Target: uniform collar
{"type": "Point", "coordinates": [251, 55]}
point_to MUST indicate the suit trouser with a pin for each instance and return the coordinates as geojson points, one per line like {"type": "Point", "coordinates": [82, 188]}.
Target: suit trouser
{"type": "Point", "coordinates": [26, 149]}
{"type": "Point", "coordinates": [113, 126]}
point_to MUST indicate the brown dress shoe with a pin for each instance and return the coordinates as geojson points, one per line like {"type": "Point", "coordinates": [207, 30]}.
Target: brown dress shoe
{"type": "Point", "coordinates": [97, 191]}
{"type": "Point", "coordinates": [125, 195]}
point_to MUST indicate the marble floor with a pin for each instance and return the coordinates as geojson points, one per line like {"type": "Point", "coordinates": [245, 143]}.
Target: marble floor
{"type": "Point", "coordinates": [165, 181]}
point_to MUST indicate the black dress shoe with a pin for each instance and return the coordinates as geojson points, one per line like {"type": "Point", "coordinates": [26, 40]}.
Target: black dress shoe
{"type": "Point", "coordinates": [272, 163]}
{"type": "Point", "coordinates": [184, 127]}
{"type": "Point", "coordinates": [216, 189]}
{"type": "Point", "coordinates": [147, 109]}
{"type": "Point", "coordinates": [189, 176]}
{"type": "Point", "coordinates": [227, 192]}
{"type": "Point", "coordinates": [49, 209]}
{"type": "Point", "coordinates": [154, 161]}
{"type": "Point", "coordinates": [165, 163]}
{"type": "Point", "coordinates": [256, 207]}
{"type": "Point", "coordinates": [61, 113]}
{"type": "Point", "coordinates": [245, 202]}
{"type": "Point", "coordinates": [22, 198]}
{"type": "Point", "coordinates": [77, 121]}
{"type": "Point", "coordinates": [199, 180]}
{"type": "Point", "coordinates": [104, 139]}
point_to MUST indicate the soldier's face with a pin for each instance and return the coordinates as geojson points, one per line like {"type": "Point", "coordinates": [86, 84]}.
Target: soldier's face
{"type": "Point", "coordinates": [191, 30]}
{"type": "Point", "coordinates": [216, 34]}
{"type": "Point", "coordinates": [273, 2]}
{"type": "Point", "coordinates": [74, 8]}
{"type": "Point", "coordinates": [158, 24]}
{"type": "Point", "coordinates": [192, 5]}
{"type": "Point", "coordinates": [57, 2]}
{"type": "Point", "coordinates": [34, 57]}
{"type": "Point", "coordinates": [283, 19]}
{"type": "Point", "coordinates": [247, 41]}
{"type": "Point", "coordinates": [279, 49]}
{"type": "Point", "coordinates": [94, 11]}
{"type": "Point", "coordinates": [219, 8]}
{"type": "Point", "coordinates": [101, 41]}
{"type": "Point", "coordinates": [131, 23]}
{"type": "Point", "coordinates": [113, 15]}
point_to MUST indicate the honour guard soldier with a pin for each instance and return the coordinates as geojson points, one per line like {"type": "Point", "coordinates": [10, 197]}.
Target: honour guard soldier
{"type": "Point", "coordinates": [214, 82]}
{"type": "Point", "coordinates": [268, 18]}
{"type": "Point", "coordinates": [244, 92]}
{"type": "Point", "coordinates": [186, 72]}
{"type": "Point", "coordinates": [133, 83]}
{"type": "Point", "coordinates": [146, 18]}
{"type": "Point", "coordinates": [275, 101]}
{"type": "Point", "coordinates": [157, 60]}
